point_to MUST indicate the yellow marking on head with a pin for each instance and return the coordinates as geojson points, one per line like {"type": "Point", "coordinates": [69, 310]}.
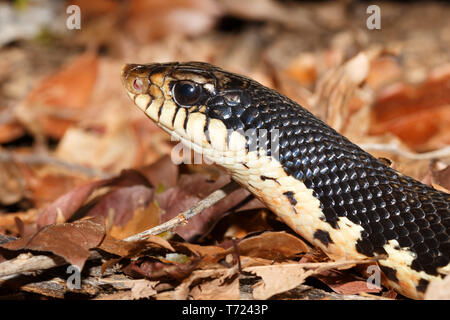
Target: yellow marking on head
{"type": "Point", "coordinates": [157, 79]}
{"type": "Point", "coordinates": [168, 113]}
{"type": "Point", "coordinates": [142, 101]}
{"type": "Point", "coordinates": [194, 128]}
{"type": "Point", "coordinates": [218, 135]}
{"type": "Point", "coordinates": [179, 120]}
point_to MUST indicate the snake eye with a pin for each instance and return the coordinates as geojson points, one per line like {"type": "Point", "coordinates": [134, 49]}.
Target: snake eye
{"type": "Point", "coordinates": [186, 93]}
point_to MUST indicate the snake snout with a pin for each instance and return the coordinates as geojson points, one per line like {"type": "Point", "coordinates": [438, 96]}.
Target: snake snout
{"type": "Point", "coordinates": [135, 78]}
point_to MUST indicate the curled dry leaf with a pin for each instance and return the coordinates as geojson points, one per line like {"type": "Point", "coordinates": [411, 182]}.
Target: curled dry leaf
{"type": "Point", "coordinates": [131, 248]}
{"type": "Point", "coordinates": [120, 247]}
{"type": "Point", "coordinates": [11, 131]}
{"type": "Point", "coordinates": [330, 101]}
{"type": "Point", "coordinates": [67, 204]}
{"type": "Point", "coordinates": [70, 241]}
{"type": "Point", "coordinates": [225, 287]}
{"type": "Point", "coordinates": [271, 245]}
{"type": "Point", "coordinates": [216, 283]}
{"type": "Point", "coordinates": [160, 269]}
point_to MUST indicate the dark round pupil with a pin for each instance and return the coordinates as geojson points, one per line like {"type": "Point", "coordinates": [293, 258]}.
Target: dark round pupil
{"type": "Point", "coordinates": [187, 90]}
{"type": "Point", "coordinates": [186, 93]}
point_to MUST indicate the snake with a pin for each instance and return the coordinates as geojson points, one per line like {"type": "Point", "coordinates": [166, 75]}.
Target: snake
{"type": "Point", "coordinates": [332, 193]}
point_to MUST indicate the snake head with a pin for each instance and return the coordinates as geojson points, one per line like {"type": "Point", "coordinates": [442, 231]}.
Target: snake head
{"type": "Point", "coordinates": [195, 101]}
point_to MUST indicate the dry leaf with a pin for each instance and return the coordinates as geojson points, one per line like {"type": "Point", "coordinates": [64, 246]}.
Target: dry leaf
{"type": "Point", "coordinates": [55, 103]}
{"type": "Point", "coordinates": [225, 282]}
{"type": "Point", "coordinates": [67, 204]}
{"type": "Point", "coordinates": [415, 113]}
{"type": "Point", "coordinates": [143, 289]}
{"type": "Point", "coordinates": [71, 241]}
{"type": "Point", "coordinates": [277, 279]}
{"type": "Point", "coordinates": [271, 245]}
{"type": "Point", "coordinates": [125, 204]}
{"type": "Point", "coordinates": [161, 173]}
{"type": "Point", "coordinates": [337, 282]}
{"type": "Point", "coordinates": [160, 269]}
{"type": "Point", "coordinates": [190, 189]}
{"type": "Point", "coordinates": [12, 184]}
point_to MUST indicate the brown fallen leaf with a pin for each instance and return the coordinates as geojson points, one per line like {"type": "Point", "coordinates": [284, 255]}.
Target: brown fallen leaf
{"type": "Point", "coordinates": [159, 18]}
{"type": "Point", "coordinates": [70, 241]}
{"type": "Point", "coordinates": [11, 131]}
{"type": "Point", "coordinates": [224, 281]}
{"type": "Point", "coordinates": [55, 103]}
{"type": "Point", "coordinates": [47, 184]}
{"type": "Point", "coordinates": [143, 289]}
{"type": "Point", "coordinates": [143, 219]}
{"type": "Point", "coordinates": [66, 205]}
{"type": "Point", "coordinates": [271, 245]}
{"type": "Point", "coordinates": [123, 205]}
{"type": "Point", "coordinates": [12, 184]}
{"type": "Point", "coordinates": [442, 177]}
{"type": "Point", "coordinates": [345, 283]}
{"type": "Point", "coordinates": [202, 251]}
{"type": "Point", "coordinates": [132, 248]}
{"type": "Point", "coordinates": [226, 287]}
{"type": "Point", "coordinates": [162, 173]}
{"type": "Point", "coordinates": [161, 269]}
{"type": "Point", "coordinates": [417, 114]}
{"type": "Point", "coordinates": [335, 89]}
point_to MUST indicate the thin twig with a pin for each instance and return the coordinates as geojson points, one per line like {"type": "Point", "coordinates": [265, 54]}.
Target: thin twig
{"type": "Point", "coordinates": [395, 149]}
{"type": "Point", "coordinates": [28, 262]}
{"type": "Point", "coordinates": [46, 159]}
{"type": "Point", "coordinates": [324, 265]}
{"type": "Point", "coordinates": [182, 218]}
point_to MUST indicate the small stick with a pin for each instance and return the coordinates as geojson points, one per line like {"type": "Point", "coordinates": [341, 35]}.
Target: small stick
{"type": "Point", "coordinates": [183, 218]}
{"type": "Point", "coordinates": [28, 262]}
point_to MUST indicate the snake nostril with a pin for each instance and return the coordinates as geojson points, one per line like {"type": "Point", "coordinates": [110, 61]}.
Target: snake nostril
{"type": "Point", "coordinates": [137, 84]}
